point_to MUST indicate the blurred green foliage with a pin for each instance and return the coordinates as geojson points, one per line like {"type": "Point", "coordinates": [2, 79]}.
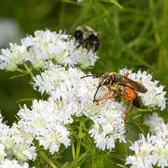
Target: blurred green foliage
{"type": "Point", "coordinates": [133, 34]}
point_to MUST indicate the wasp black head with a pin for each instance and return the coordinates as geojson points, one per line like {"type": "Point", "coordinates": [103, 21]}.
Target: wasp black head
{"type": "Point", "coordinates": [105, 80]}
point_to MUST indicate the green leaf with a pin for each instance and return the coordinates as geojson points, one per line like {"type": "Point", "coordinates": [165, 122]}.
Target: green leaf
{"type": "Point", "coordinates": [114, 2]}
{"type": "Point", "coordinates": [76, 162]}
{"type": "Point", "coordinates": [48, 160]}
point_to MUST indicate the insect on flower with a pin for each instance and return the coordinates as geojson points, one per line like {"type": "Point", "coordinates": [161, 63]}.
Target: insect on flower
{"type": "Point", "coordinates": [86, 35]}
{"type": "Point", "coordinates": [119, 85]}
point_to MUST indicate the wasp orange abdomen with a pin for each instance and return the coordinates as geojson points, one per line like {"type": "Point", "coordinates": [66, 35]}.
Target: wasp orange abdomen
{"type": "Point", "coordinates": [129, 94]}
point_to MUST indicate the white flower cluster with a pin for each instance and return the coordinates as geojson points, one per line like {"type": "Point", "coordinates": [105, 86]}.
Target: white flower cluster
{"type": "Point", "coordinates": [155, 96]}
{"type": "Point", "coordinates": [153, 149]}
{"type": "Point", "coordinates": [64, 84]}
{"type": "Point", "coordinates": [76, 97]}
{"type": "Point", "coordinates": [14, 143]}
{"type": "Point", "coordinates": [108, 125]}
{"type": "Point", "coordinates": [43, 47]}
{"type": "Point", "coordinates": [44, 123]}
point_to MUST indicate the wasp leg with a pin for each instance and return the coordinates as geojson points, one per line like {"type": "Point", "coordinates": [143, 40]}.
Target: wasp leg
{"type": "Point", "coordinates": [107, 96]}
{"type": "Point", "coordinates": [104, 97]}
{"type": "Point", "coordinates": [127, 110]}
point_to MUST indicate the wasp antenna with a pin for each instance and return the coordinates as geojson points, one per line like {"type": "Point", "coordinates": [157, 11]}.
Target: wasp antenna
{"type": "Point", "coordinates": [89, 76]}
{"type": "Point", "coordinates": [94, 98]}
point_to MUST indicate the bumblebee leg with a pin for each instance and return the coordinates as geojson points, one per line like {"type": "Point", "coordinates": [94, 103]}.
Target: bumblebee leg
{"type": "Point", "coordinates": [80, 43]}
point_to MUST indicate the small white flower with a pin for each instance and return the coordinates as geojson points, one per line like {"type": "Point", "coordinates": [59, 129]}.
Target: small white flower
{"type": "Point", "coordinates": [162, 131]}
{"type": "Point", "coordinates": [51, 139]}
{"type": "Point", "coordinates": [5, 138]}
{"type": "Point", "coordinates": [13, 164]}
{"type": "Point", "coordinates": [2, 152]}
{"type": "Point", "coordinates": [155, 96]}
{"type": "Point", "coordinates": [23, 147]}
{"type": "Point", "coordinates": [153, 121]}
{"type": "Point", "coordinates": [4, 129]}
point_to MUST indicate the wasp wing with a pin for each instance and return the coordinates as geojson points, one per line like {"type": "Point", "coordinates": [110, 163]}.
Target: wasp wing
{"type": "Point", "coordinates": [132, 84]}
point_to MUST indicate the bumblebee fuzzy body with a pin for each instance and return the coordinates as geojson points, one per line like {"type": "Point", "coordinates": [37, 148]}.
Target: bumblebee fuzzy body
{"type": "Point", "coordinates": [86, 35]}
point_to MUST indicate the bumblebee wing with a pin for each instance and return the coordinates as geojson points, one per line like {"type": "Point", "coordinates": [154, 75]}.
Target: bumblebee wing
{"type": "Point", "coordinates": [132, 84]}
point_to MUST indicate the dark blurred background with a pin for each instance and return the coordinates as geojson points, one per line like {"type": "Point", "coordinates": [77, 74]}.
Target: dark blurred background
{"type": "Point", "coordinates": [133, 34]}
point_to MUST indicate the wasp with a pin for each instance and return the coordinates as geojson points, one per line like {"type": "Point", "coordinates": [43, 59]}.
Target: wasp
{"type": "Point", "coordinates": [120, 85]}
{"type": "Point", "coordinates": [86, 35]}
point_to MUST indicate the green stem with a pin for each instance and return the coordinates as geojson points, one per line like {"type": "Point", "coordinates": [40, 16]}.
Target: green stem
{"type": "Point", "coordinates": [80, 137]}
{"type": "Point", "coordinates": [21, 70]}
{"type": "Point", "coordinates": [23, 100]}
{"type": "Point", "coordinates": [73, 151]}
{"type": "Point", "coordinates": [28, 70]}
{"type": "Point", "coordinates": [78, 149]}
{"type": "Point", "coordinates": [76, 152]}
{"type": "Point", "coordinates": [155, 23]}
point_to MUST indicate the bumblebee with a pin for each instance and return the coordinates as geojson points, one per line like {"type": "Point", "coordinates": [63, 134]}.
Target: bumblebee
{"type": "Point", "coordinates": [86, 35]}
